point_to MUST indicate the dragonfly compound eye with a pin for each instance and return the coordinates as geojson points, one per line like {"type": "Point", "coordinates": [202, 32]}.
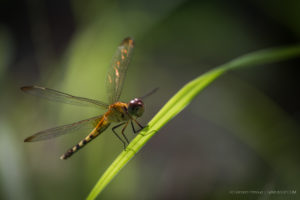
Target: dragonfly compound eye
{"type": "Point", "coordinates": [136, 107]}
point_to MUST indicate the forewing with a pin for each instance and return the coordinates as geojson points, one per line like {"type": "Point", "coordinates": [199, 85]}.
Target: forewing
{"type": "Point", "coordinates": [80, 126]}
{"type": "Point", "coordinates": [117, 72]}
{"type": "Point", "coordinates": [54, 95]}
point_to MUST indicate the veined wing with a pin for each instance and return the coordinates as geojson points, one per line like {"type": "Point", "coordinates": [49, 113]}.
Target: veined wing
{"type": "Point", "coordinates": [80, 126]}
{"type": "Point", "coordinates": [54, 95]}
{"type": "Point", "coordinates": [117, 72]}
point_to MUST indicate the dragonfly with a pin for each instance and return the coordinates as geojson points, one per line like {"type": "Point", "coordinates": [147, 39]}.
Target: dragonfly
{"type": "Point", "coordinates": [117, 111]}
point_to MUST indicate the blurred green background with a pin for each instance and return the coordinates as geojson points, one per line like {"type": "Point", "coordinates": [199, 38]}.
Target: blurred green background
{"type": "Point", "coordinates": [240, 134]}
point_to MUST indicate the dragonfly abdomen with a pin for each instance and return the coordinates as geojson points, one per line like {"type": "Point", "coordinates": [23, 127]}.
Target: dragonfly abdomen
{"type": "Point", "coordinates": [101, 126]}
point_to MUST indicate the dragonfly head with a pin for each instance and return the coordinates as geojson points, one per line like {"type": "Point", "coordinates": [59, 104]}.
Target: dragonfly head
{"type": "Point", "coordinates": [136, 107]}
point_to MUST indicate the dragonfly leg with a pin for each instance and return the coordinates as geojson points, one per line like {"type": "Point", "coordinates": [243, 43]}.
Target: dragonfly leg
{"type": "Point", "coordinates": [132, 126]}
{"type": "Point", "coordinates": [124, 133]}
{"type": "Point", "coordinates": [113, 129]}
{"type": "Point", "coordinates": [141, 127]}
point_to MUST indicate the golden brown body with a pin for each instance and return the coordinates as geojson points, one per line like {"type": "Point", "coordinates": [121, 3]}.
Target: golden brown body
{"type": "Point", "coordinates": [117, 112]}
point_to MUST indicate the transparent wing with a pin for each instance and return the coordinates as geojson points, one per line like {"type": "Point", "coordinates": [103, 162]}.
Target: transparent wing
{"type": "Point", "coordinates": [80, 126]}
{"type": "Point", "coordinates": [117, 72]}
{"type": "Point", "coordinates": [54, 95]}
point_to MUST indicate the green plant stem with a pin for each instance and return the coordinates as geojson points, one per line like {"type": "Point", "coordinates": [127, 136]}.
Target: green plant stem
{"type": "Point", "coordinates": [181, 99]}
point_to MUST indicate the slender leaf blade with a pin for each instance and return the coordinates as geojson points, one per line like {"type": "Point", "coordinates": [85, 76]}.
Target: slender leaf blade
{"type": "Point", "coordinates": [181, 99]}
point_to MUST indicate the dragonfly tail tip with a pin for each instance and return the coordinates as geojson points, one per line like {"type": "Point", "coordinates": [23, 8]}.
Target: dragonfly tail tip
{"type": "Point", "coordinates": [62, 157]}
{"type": "Point", "coordinates": [25, 88]}
{"type": "Point", "coordinates": [28, 139]}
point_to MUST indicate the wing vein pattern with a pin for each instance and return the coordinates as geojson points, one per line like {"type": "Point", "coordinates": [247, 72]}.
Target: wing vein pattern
{"type": "Point", "coordinates": [117, 72]}
{"type": "Point", "coordinates": [54, 95]}
{"type": "Point", "coordinates": [80, 126]}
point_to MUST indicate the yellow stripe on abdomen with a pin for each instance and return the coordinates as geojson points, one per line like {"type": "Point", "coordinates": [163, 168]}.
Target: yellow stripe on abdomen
{"type": "Point", "coordinates": [101, 126]}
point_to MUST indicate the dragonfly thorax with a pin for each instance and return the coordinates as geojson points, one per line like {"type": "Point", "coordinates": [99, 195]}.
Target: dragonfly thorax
{"type": "Point", "coordinates": [136, 107]}
{"type": "Point", "coordinates": [117, 112]}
